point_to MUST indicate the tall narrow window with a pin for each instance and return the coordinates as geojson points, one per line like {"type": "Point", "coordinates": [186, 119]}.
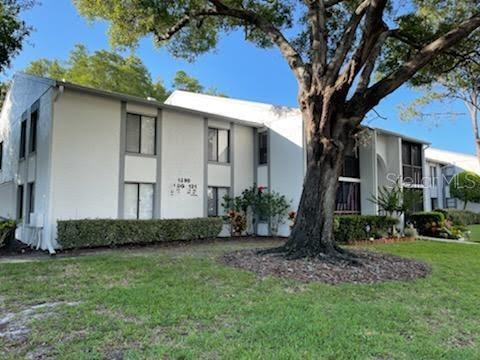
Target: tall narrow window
{"type": "Point", "coordinates": [434, 176]}
{"type": "Point", "coordinates": [351, 166]}
{"type": "Point", "coordinates": [141, 134]}
{"type": "Point", "coordinates": [31, 200]}
{"type": "Point", "coordinates": [33, 132]}
{"type": "Point", "coordinates": [212, 145]}
{"type": "Point", "coordinates": [23, 138]}
{"type": "Point", "coordinates": [138, 201]}
{"type": "Point", "coordinates": [262, 148]}
{"type": "Point", "coordinates": [215, 200]}
{"type": "Point", "coordinates": [1, 154]}
{"type": "Point", "coordinates": [20, 202]}
{"type": "Point", "coordinates": [412, 162]}
{"type": "Point", "coordinates": [348, 198]}
{"type": "Point", "coordinates": [218, 145]}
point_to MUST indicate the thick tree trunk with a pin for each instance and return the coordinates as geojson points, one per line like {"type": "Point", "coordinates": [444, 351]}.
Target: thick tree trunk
{"type": "Point", "coordinates": [328, 138]}
{"type": "Point", "coordinates": [312, 234]}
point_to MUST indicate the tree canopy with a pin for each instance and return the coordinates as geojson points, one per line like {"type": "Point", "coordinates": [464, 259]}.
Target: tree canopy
{"type": "Point", "coordinates": [109, 70]}
{"type": "Point", "coordinates": [465, 186]}
{"type": "Point", "coordinates": [104, 70]}
{"type": "Point", "coordinates": [13, 30]}
{"type": "Point", "coordinates": [454, 77]}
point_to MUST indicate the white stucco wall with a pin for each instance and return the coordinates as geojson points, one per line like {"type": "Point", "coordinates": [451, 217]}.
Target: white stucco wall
{"type": "Point", "coordinates": [86, 150]}
{"type": "Point", "coordinates": [243, 148]}
{"type": "Point", "coordinates": [183, 157]}
{"type": "Point", "coordinates": [141, 169]}
{"type": "Point", "coordinates": [287, 161]}
{"type": "Point", "coordinates": [24, 92]}
{"type": "Point", "coordinates": [219, 175]}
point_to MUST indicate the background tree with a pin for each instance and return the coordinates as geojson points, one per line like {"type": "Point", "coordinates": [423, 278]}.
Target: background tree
{"type": "Point", "coordinates": [104, 70]}
{"type": "Point", "coordinates": [110, 71]}
{"type": "Point", "coordinates": [331, 46]}
{"type": "Point", "coordinates": [456, 76]}
{"type": "Point", "coordinates": [13, 30]}
{"type": "Point", "coordinates": [183, 81]}
{"type": "Point", "coordinates": [465, 186]}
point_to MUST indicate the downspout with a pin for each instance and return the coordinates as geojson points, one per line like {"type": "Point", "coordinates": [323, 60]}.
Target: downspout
{"type": "Point", "coordinates": [60, 89]}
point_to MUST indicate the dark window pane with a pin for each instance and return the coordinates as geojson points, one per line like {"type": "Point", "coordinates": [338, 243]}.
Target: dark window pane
{"type": "Point", "coordinates": [20, 202]}
{"type": "Point", "coordinates": [33, 131]}
{"type": "Point", "coordinates": [262, 148]}
{"type": "Point", "coordinates": [23, 138]}
{"type": "Point", "coordinates": [212, 145]}
{"type": "Point", "coordinates": [31, 200]}
{"type": "Point", "coordinates": [406, 154]}
{"type": "Point", "coordinates": [416, 155]}
{"type": "Point", "coordinates": [351, 166]}
{"type": "Point", "coordinates": [348, 198]}
{"type": "Point", "coordinates": [133, 133]}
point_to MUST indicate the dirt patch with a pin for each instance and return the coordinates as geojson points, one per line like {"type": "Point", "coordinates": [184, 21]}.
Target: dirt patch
{"type": "Point", "coordinates": [375, 267]}
{"type": "Point", "coordinates": [14, 326]}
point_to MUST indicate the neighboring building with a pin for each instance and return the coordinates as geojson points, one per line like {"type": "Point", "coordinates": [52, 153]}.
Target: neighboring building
{"type": "Point", "coordinates": [442, 166]}
{"type": "Point", "coordinates": [382, 158]}
{"type": "Point", "coordinates": [71, 152]}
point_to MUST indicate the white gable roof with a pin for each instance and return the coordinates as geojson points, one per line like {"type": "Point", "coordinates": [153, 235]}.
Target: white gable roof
{"type": "Point", "coordinates": [240, 109]}
{"type": "Point", "coordinates": [463, 161]}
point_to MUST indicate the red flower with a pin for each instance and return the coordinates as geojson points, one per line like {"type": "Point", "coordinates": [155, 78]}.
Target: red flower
{"type": "Point", "coordinates": [260, 189]}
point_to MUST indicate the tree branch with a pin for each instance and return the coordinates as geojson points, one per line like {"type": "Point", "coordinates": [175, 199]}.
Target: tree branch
{"type": "Point", "coordinates": [366, 75]}
{"type": "Point", "coordinates": [345, 43]}
{"type": "Point", "coordinates": [363, 102]}
{"type": "Point", "coordinates": [183, 22]}
{"type": "Point", "coordinates": [291, 55]}
{"type": "Point", "coordinates": [318, 33]}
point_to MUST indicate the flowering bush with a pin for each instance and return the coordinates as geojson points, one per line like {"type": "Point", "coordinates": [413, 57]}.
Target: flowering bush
{"type": "Point", "coordinates": [238, 222]}
{"type": "Point", "coordinates": [256, 204]}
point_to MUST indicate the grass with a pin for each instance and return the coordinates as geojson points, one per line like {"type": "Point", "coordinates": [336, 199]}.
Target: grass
{"type": "Point", "coordinates": [475, 233]}
{"type": "Point", "coordinates": [180, 303]}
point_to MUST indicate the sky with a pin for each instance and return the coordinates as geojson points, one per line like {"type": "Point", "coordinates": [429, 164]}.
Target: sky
{"type": "Point", "coordinates": [236, 68]}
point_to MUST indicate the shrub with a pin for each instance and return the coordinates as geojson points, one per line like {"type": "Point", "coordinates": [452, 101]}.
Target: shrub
{"type": "Point", "coordinates": [7, 229]}
{"type": "Point", "coordinates": [410, 232]}
{"type": "Point", "coordinates": [460, 217]}
{"type": "Point", "coordinates": [352, 228]}
{"type": "Point", "coordinates": [109, 232]}
{"type": "Point", "coordinates": [428, 223]}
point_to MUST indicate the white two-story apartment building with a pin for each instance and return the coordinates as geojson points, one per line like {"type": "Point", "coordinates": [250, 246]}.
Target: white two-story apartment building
{"type": "Point", "coordinates": [71, 152]}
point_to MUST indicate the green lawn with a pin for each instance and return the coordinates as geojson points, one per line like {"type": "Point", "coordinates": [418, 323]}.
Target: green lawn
{"type": "Point", "coordinates": [180, 303]}
{"type": "Point", "coordinates": [475, 235]}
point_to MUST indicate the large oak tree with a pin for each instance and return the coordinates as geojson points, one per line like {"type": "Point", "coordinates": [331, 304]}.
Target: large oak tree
{"type": "Point", "coordinates": [332, 47]}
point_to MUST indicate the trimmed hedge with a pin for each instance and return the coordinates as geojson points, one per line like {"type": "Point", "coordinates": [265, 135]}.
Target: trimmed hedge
{"type": "Point", "coordinates": [109, 232]}
{"type": "Point", "coordinates": [460, 217]}
{"type": "Point", "coordinates": [350, 228]}
{"type": "Point", "coordinates": [7, 231]}
{"type": "Point", "coordinates": [428, 223]}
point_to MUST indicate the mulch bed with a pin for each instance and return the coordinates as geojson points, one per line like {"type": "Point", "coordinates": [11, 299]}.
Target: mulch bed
{"type": "Point", "coordinates": [375, 267]}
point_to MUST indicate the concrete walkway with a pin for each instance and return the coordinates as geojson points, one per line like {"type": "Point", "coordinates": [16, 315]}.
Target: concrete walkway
{"type": "Point", "coordinates": [427, 238]}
